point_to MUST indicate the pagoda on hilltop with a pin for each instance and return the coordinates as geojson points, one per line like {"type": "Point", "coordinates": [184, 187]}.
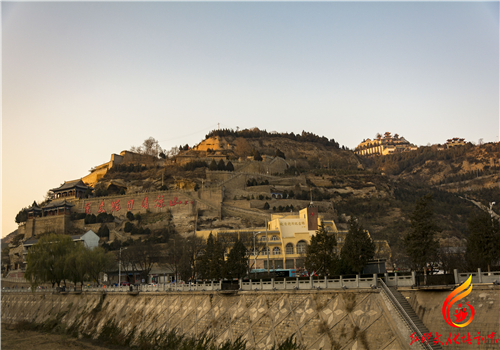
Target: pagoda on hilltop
{"type": "Point", "coordinates": [75, 189]}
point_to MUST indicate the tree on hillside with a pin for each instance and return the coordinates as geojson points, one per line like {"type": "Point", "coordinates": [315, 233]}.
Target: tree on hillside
{"type": "Point", "coordinates": [22, 216]}
{"type": "Point", "coordinates": [279, 153]}
{"type": "Point", "coordinates": [358, 247]}
{"type": "Point", "coordinates": [221, 165]}
{"type": "Point", "coordinates": [256, 155]}
{"type": "Point", "coordinates": [213, 165]}
{"type": "Point", "coordinates": [421, 245]}
{"type": "Point", "coordinates": [321, 256]}
{"type": "Point", "coordinates": [483, 247]}
{"type": "Point", "coordinates": [229, 166]}
{"type": "Point", "coordinates": [150, 147]}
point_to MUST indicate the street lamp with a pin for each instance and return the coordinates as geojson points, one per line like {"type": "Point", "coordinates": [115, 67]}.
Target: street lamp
{"type": "Point", "coordinates": [120, 267]}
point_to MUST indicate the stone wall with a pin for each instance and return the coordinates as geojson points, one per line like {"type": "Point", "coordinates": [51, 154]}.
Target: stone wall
{"type": "Point", "coordinates": [318, 319]}
{"type": "Point", "coordinates": [49, 224]}
{"type": "Point", "coordinates": [161, 201]}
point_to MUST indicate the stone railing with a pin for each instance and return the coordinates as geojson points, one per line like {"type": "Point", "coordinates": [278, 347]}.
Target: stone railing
{"type": "Point", "coordinates": [289, 283]}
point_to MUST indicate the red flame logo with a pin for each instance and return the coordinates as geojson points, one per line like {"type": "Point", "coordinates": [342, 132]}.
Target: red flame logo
{"type": "Point", "coordinates": [461, 314]}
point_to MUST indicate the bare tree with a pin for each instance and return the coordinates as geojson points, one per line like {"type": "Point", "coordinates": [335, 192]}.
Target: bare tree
{"type": "Point", "coordinates": [140, 257]}
{"type": "Point", "coordinates": [150, 147]}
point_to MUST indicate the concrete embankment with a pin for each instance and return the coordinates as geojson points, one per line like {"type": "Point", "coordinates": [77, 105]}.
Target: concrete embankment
{"type": "Point", "coordinates": [485, 299]}
{"type": "Point", "coordinates": [318, 319]}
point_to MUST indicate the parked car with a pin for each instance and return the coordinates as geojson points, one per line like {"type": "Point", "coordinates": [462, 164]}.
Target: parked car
{"type": "Point", "coordinates": [126, 284]}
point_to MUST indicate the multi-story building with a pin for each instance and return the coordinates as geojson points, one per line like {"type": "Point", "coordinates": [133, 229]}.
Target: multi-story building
{"type": "Point", "coordinates": [384, 145]}
{"type": "Point", "coordinates": [282, 243]}
{"type": "Point", "coordinates": [454, 142]}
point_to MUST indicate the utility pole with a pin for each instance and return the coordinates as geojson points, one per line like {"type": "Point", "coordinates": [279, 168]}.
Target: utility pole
{"type": "Point", "coordinates": [120, 267]}
{"type": "Point", "coordinates": [267, 249]}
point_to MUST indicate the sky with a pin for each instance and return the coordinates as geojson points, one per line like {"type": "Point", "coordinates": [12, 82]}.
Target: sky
{"type": "Point", "coordinates": [83, 80]}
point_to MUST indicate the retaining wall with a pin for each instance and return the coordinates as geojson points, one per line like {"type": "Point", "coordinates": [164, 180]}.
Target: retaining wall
{"type": "Point", "coordinates": [319, 319]}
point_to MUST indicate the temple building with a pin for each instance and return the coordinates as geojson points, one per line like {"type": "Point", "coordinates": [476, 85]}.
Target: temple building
{"type": "Point", "coordinates": [384, 145]}
{"type": "Point", "coordinates": [74, 188]}
{"type": "Point", "coordinates": [54, 217]}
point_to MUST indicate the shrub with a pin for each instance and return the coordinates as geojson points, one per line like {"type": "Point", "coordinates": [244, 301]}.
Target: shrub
{"type": "Point", "coordinates": [229, 166]}
{"type": "Point", "coordinates": [261, 197]}
{"type": "Point", "coordinates": [266, 206]}
{"type": "Point", "coordinates": [195, 164]}
{"type": "Point", "coordinates": [130, 216]}
{"type": "Point", "coordinates": [103, 231]}
{"type": "Point", "coordinates": [90, 219]}
{"type": "Point", "coordinates": [128, 227]}
{"type": "Point", "coordinates": [138, 217]}
{"type": "Point", "coordinates": [78, 216]}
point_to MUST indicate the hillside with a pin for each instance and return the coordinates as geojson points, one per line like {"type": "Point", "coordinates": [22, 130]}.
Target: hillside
{"type": "Point", "coordinates": [256, 173]}
{"type": "Point", "coordinates": [380, 191]}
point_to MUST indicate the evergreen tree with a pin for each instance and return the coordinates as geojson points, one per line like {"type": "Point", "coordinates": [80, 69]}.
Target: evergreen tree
{"type": "Point", "coordinates": [237, 261]}
{"type": "Point", "coordinates": [103, 231]}
{"type": "Point", "coordinates": [266, 206]}
{"type": "Point", "coordinates": [256, 155]}
{"type": "Point", "coordinates": [278, 153]}
{"type": "Point", "coordinates": [212, 262]}
{"type": "Point", "coordinates": [229, 166]}
{"type": "Point", "coordinates": [213, 165]}
{"type": "Point", "coordinates": [358, 247]}
{"type": "Point", "coordinates": [321, 256]}
{"type": "Point", "coordinates": [483, 248]}
{"type": "Point", "coordinates": [421, 245]}
{"type": "Point", "coordinates": [221, 165]}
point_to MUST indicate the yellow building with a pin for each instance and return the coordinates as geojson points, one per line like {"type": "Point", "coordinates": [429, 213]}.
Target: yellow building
{"type": "Point", "coordinates": [283, 242]}
{"type": "Point", "coordinates": [384, 145]}
{"type": "Point", "coordinates": [454, 142]}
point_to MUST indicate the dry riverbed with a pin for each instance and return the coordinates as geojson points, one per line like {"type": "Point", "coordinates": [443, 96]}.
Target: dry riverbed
{"type": "Point", "coordinates": [24, 339]}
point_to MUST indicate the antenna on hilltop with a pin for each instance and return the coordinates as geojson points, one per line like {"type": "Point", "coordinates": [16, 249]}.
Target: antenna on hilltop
{"type": "Point", "coordinates": [218, 126]}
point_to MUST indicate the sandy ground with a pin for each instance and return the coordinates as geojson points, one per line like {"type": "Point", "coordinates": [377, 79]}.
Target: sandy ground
{"type": "Point", "coordinates": [26, 340]}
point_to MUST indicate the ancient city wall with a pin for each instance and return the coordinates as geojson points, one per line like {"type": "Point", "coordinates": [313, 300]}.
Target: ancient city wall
{"type": "Point", "coordinates": [318, 319]}
{"type": "Point", "coordinates": [48, 224]}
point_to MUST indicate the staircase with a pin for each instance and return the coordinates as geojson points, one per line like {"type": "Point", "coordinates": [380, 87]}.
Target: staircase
{"type": "Point", "coordinates": [408, 314]}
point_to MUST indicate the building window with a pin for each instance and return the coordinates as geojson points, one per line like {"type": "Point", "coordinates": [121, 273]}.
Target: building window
{"type": "Point", "coordinates": [339, 239]}
{"type": "Point", "coordinates": [266, 251]}
{"type": "Point", "coordinates": [276, 251]}
{"type": "Point", "coordinates": [263, 238]}
{"type": "Point", "coordinates": [275, 238]}
{"type": "Point", "coordinates": [289, 248]}
{"type": "Point", "coordinates": [301, 247]}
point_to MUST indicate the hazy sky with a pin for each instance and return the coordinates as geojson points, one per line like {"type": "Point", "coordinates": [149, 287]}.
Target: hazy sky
{"type": "Point", "coordinates": [83, 80]}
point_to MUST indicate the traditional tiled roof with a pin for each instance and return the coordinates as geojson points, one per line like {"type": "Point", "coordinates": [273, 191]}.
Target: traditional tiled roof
{"type": "Point", "coordinates": [34, 207]}
{"type": "Point", "coordinates": [68, 185]}
{"type": "Point", "coordinates": [58, 204]}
